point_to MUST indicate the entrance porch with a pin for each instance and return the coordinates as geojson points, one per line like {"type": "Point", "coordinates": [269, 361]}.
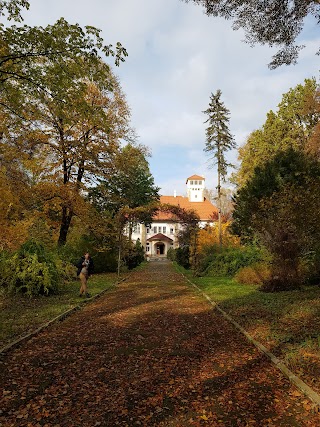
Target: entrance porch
{"type": "Point", "coordinates": [158, 246]}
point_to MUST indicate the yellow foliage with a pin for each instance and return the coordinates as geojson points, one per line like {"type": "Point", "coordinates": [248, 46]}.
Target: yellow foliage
{"type": "Point", "coordinates": [255, 274]}
{"type": "Point", "coordinates": [209, 236]}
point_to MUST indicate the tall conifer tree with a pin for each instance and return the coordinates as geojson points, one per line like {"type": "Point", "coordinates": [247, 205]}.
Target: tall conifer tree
{"type": "Point", "coordinates": [218, 141]}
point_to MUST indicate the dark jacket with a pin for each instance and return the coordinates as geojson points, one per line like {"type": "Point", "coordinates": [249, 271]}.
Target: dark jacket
{"type": "Point", "coordinates": [90, 268]}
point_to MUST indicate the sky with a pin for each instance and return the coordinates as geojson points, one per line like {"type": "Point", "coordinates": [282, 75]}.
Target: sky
{"type": "Point", "coordinates": [178, 56]}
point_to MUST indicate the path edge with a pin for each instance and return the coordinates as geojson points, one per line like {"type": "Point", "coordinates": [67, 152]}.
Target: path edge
{"type": "Point", "coordinates": [60, 317]}
{"type": "Point", "coordinates": [279, 364]}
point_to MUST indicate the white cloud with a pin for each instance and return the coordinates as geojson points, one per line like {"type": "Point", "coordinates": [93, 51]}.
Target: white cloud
{"type": "Point", "coordinates": [181, 130]}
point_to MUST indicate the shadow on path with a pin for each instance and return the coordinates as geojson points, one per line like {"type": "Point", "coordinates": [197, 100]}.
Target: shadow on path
{"type": "Point", "coordinates": [149, 353]}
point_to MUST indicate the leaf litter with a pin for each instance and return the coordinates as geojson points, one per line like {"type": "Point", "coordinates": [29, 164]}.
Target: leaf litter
{"type": "Point", "coordinates": [149, 353]}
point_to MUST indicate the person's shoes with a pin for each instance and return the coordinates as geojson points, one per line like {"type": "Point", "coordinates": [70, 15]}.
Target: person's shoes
{"type": "Point", "coordinates": [80, 295]}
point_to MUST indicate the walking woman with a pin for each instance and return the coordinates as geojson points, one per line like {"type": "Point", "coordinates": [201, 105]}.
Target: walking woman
{"type": "Point", "coordinates": [85, 269]}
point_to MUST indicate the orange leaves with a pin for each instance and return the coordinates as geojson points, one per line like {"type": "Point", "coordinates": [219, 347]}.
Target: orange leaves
{"type": "Point", "coordinates": [209, 236]}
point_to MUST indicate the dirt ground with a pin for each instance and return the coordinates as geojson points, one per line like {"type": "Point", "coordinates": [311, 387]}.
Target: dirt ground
{"type": "Point", "coordinates": [151, 352]}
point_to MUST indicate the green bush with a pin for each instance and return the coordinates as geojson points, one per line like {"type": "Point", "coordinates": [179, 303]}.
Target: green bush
{"type": "Point", "coordinates": [105, 260]}
{"type": "Point", "coordinates": [171, 254]}
{"type": "Point", "coordinates": [135, 256]}
{"type": "Point", "coordinates": [32, 270]}
{"type": "Point", "coordinates": [227, 261]}
{"type": "Point", "coordinates": [183, 256]}
{"type": "Point", "coordinates": [310, 267]}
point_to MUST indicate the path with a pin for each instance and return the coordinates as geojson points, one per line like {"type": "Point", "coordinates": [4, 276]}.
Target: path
{"type": "Point", "coordinates": [151, 352]}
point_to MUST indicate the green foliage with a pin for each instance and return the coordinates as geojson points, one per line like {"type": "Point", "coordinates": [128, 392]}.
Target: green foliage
{"type": "Point", "coordinates": [310, 266]}
{"type": "Point", "coordinates": [287, 128]}
{"type": "Point", "coordinates": [278, 207]}
{"type": "Point", "coordinates": [171, 254]}
{"type": "Point", "coordinates": [104, 258]}
{"type": "Point", "coordinates": [218, 137]}
{"type": "Point", "coordinates": [272, 22]}
{"type": "Point", "coordinates": [183, 256]}
{"type": "Point", "coordinates": [12, 9]}
{"type": "Point", "coordinates": [130, 182]}
{"type": "Point", "coordinates": [228, 260]}
{"type": "Point", "coordinates": [62, 111]}
{"type": "Point", "coordinates": [32, 270]}
{"type": "Point", "coordinates": [135, 256]}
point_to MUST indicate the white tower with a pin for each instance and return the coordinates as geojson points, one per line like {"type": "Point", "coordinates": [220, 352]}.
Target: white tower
{"type": "Point", "coordinates": [195, 188]}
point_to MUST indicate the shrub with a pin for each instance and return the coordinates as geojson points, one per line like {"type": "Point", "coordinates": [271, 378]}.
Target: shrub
{"type": "Point", "coordinates": [255, 274]}
{"type": "Point", "coordinates": [183, 256]}
{"type": "Point", "coordinates": [105, 259]}
{"type": "Point", "coordinates": [227, 261]}
{"type": "Point", "coordinates": [32, 270]}
{"type": "Point", "coordinates": [135, 256]}
{"type": "Point", "coordinates": [310, 267]}
{"type": "Point", "coordinates": [171, 254]}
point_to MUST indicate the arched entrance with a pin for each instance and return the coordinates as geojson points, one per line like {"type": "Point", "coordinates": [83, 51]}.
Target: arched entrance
{"type": "Point", "coordinates": [160, 248]}
{"type": "Point", "coordinates": [159, 244]}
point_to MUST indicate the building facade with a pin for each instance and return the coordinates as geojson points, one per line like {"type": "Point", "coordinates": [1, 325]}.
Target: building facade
{"type": "Point", "coordinates": [162, 234]}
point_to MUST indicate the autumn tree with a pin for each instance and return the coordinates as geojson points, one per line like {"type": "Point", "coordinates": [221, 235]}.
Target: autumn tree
{"type": "Point", "coordinates": [12, 9]}
{"type": "Point", "coordinates": [70, 126]}
{"type": "Point", "coordinates": [272, 22]}
{"type": "Point", "coordinates": [313, 141]}
{"type": "Point", "coordinates": [218, 141]}
{"type": "Point", "coordinates": [278, 206]}
{"type": "Point", "coordinates": [293, 125]}
{"type": "Point", "coordinates": [23, 50]}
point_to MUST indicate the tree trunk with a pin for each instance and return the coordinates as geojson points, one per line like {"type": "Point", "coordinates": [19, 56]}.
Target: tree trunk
{"type": "Point", "coordinates": [119, 253]}
{"type": "Point", "coordinates": [130, 232]}
{"type": "Point", "coordinates": [66, 218]}
{"type": "Point", "coordinates": [219, 208]}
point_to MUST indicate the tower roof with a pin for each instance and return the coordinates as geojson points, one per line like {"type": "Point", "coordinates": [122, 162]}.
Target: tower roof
{"type": "Point", "coordinates": [202, 178]}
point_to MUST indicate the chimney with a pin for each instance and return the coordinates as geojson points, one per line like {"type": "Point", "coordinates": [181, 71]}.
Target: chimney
{"type": "Point", "coordinates": [174, 193]}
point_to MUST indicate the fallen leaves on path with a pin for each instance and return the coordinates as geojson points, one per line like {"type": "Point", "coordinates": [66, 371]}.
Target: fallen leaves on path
{"type": "Point", "coordinates": [149, 353]}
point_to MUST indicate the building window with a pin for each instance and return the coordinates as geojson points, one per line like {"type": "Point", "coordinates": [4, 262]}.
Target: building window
{"type": "Point", "coordinates": [171, 230]}
{"type": "Point", "coordinates": [136, 228]}
{"type": "Point", "coordinates": [148, 248]}
{"type": "Point", "coordinates": [164, 230]}
{"type": "Point", "coordinates": [195, 182]}
{"type": "Point", "coordinates": [200, 182]}
{"type": "Point", "coordinates": [191, 182]}
{"type": "Point", "coordinates": [195, 196]}
{"type": "Point", "coordinates": [148, 230]}
{"type": "Point", "coordinates": [154, 229]}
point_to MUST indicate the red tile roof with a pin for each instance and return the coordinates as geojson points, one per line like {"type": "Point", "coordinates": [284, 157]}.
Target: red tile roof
{"type": "Point", "coordinates": [159, 236]}
{"type": "Point", "coordinates": [202, 178]}
{"type": "Point", "coordinates": [206, 210]}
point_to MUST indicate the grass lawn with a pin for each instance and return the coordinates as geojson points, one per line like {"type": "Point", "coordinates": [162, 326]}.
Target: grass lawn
{"type": "Point", "coordinates": [20, 315]}
{"type": "Point", "coordinates": [288, 323]}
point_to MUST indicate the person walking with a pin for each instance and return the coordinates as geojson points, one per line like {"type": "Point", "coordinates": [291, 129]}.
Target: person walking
{"type": "Point", "coordinates": [85, 269]}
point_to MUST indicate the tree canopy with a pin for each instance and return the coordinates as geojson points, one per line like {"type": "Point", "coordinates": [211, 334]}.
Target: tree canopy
{"type": "Point", "coordinates": [278, 206]}
{"type": "Point", "coordinates": [272, 22]}
{"type": "Point", "coordinates": [294, 125]}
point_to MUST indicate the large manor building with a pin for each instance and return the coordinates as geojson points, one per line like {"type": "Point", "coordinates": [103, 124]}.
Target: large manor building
{"type": "Point", "coordinates": [162, 234]}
